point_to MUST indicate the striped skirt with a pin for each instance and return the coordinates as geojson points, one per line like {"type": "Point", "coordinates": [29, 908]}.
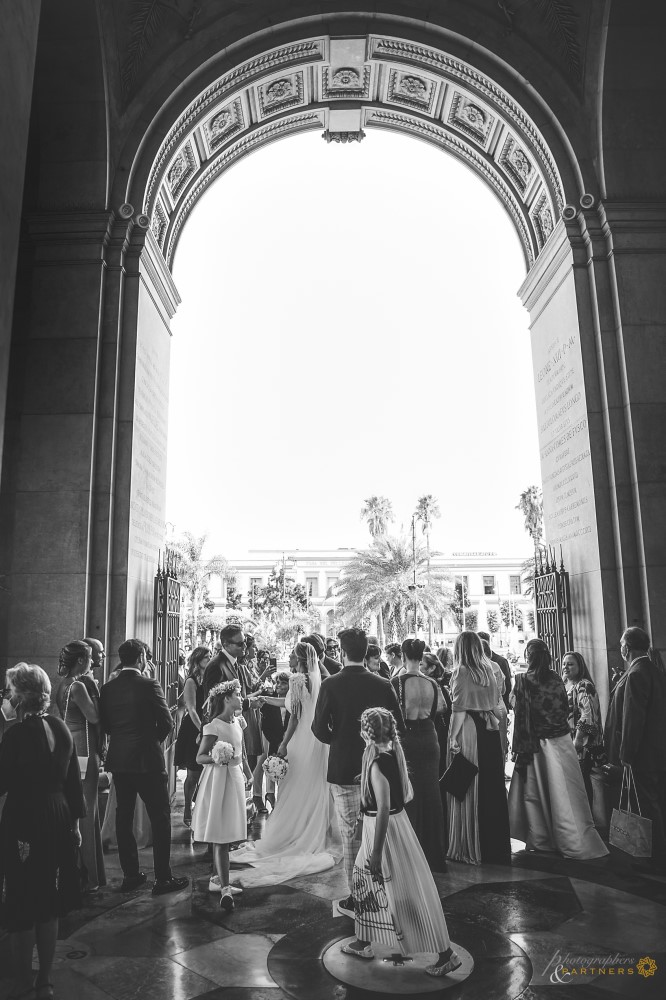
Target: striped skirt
{"type": "Point", "coordinates": [403, 909]}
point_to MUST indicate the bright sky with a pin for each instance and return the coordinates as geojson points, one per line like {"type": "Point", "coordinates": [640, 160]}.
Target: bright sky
{"type": "Point", "coordinates": [349, 327]}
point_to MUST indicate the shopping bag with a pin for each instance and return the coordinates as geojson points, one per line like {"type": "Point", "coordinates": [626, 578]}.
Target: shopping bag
{"type": "Point", "coordinates": [458, 776]}
{"type": "Point", "coordinates": [630, 832]}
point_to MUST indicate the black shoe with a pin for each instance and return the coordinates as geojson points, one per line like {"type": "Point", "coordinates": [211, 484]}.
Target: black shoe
{"type": "Point", "coordinates": [132, 882]}
{"type": "Point", "coordinates": [169, 885]}
{"type": "Point", "coordinates": [259, 803]}
{"type": "Point", "coordinates": [347, 906]}
{"type": "Point", "coordinates": [226, 902]}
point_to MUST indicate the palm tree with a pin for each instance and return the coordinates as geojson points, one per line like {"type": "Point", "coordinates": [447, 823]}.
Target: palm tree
{"type": "Point", "coordinates": [531, 506]}
{"type": "Point", "coordinates": [379, 581]}
{"type": "Point", "coordinates": [377, 513]}
{"type": "Point", "coordinates": [195, 571]}
{"type": "Point", "coordinates": [427, 509]}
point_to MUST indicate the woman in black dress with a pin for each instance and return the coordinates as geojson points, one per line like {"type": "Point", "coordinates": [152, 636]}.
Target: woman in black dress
{"type": "Point", "coordinates": [190, 727]}
{"type": "Point", "coordinates": [432, 667]}
{"type": "Point", "coordinates": [419, 698]}
{"type": "Point", "coordinates": [39, 829]}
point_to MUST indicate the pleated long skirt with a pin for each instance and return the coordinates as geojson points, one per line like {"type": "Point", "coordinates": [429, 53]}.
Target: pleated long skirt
{"type": "Point", "coordinates": [403, 909]}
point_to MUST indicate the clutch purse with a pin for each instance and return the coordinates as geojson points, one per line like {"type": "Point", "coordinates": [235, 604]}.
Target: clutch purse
{"type": "Point", "coordinates": [458, 776]}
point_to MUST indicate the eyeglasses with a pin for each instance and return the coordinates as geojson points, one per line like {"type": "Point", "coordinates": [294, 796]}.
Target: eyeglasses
{"type": "Point", "coordinates": [235, 642]}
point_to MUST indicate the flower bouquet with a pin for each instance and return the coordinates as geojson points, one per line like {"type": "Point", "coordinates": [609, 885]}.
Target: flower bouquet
{"type": "Point", "coordinates": [222, 752]}
{"type": "Point", "coordinates": [275, 767]}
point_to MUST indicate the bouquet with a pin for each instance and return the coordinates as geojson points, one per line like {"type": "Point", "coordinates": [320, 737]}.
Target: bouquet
{"type": "Point", "coordinates": [222, 752]}
{"type": "Point", "coordinates": [275, 767]}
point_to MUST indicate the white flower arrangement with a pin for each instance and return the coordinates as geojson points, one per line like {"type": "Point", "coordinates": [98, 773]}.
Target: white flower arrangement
{"type": "Point", "coordinates": [275, 767]}
{"type": "Point", "coordinates": [222, 752]}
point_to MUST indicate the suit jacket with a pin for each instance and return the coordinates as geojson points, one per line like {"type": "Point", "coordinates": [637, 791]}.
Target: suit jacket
{"type": "Point", "coordinates": [506, 670]}
{"type": "Point", "coordinates": [221, 669]}
{"type": "Point", "coordinates": [333, 666]}
{"type": "Point", "coordinates": [342, 700]}
{"type": "Point", "coordinates": [134, 713]}
{"type": "Point", "coordinates": [636, 722]}
{"type": "Point", "coordinates": [273, 726]}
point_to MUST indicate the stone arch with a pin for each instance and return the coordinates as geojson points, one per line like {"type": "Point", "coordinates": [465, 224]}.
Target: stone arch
{"type": "Point", "coordinates": [94, 291]}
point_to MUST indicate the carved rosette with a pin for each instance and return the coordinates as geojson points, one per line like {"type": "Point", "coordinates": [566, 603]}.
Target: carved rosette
{"type": "Point", "coordinates": [183, 166]}
{"type": "Point", "coordinates": [411, 90]}
{"type": "Point", "coordinates": [279, 94]}
{"type": "Point", "coordinates": [542, 217]}
{"type": "Point", "coordinates": [224, 124]}
{"type": "Point", "coordinates": [345, 83]}
{"type": "Point", "coordinates": [472, 119]}
{"type": "Point", "coordinates": [516, 162]}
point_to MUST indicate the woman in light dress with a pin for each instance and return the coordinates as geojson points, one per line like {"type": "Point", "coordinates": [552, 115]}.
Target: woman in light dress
{"type": "Point", "coordinates": [548, 805]}
{"type": "Point", "coordinates": [300, 836]}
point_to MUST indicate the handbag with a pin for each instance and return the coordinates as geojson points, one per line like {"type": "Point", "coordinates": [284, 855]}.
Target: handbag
{"type": "Point", "coordinates": [630, 832]}
{"type": "Point", "coordinates": [458, 776]}
{"type": "Point", "coordinates": [83, 761]}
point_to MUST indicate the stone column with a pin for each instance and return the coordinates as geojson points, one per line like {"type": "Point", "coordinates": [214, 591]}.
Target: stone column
{"type": "Point", "coordinates": [82, 515]}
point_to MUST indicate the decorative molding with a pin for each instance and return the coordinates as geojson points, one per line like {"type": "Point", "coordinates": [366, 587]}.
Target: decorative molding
{"type": "Point", "coordinates": [280, 94]}
{"type": "Point", "coordinates": [309, 51]}
{"type": "Point", "coordinates": [344, 137]}
{"type": "Point", "coordinates": [438, 135]}
{"type": "Point", "coordinates": [266, 133]}
{"type": "Point", "coordinates": [159, 223]}
{"type": "Point", "coordinates": [411, 90]}
{"type": "Point", "coordinates": [475, 121]}
{"type": "Point", "coordinates": [345, 84]}
{"type": "Point", "coordinates": [391, 48]}
{"type": "Point", "coordinates": [516, 162]}
{"type": "Point", "coordinates": [182, 167]}
{"type": "Point", "coordinates": [224, 124]}
{"type": "Point", "coordinates": [542, 217]}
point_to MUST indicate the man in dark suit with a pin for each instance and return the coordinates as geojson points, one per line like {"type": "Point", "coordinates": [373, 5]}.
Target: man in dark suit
{"type": "Point", "coordinates": [226, 665]}
{"type": "Point", "coordinates": [337, 721]}
{"type": "Point", "coordinates": [635, 736]}
{"type": "Point", "coordinates": [134, 713]}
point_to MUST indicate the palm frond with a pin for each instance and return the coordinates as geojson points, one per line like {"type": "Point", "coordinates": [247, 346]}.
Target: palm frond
{"type": "Point", "coordinates": [145, 20]}
{"type": "Point", "coordinates": [561, 22]}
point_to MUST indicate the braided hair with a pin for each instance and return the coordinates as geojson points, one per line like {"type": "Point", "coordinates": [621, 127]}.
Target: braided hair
{"type": "Point", "coordinates": [70, 656]}
{"type": "Point", "coordinates": [378, 726]}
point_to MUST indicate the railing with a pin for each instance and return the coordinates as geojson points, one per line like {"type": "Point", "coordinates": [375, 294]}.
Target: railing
{"type": "Point", "coordinates": [166, 640]}
{"type": "Point", "coordinates": [553, 604]}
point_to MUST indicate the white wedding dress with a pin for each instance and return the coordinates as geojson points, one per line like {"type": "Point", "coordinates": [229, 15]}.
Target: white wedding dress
{"type": "Point", "coordinates": [301, 834]}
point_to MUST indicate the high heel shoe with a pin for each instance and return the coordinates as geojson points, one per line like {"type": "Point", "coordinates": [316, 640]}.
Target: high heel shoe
{"type": "Point", "coordinates": [446, 968]}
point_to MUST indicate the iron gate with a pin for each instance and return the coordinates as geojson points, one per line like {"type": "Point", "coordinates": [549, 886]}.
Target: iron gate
{"type": "Point", "coordinates": [553, 605]}
{"type": "Point", "coordinates": [166, 643]}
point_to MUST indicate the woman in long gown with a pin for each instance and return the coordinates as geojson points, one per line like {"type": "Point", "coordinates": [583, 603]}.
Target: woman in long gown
{"type": "Point", "coordinates": [187, 745]}
{"type": "Point", "coordinates": [419, 698]}
{"type": "Point", "coordinates": [548, 805]}
{"type": "Point", "coordinates": [432, 667]}
{"type": "Point", "coordinates": [300, 836]}
{"type": "Point", "coordinates": [479, 824]}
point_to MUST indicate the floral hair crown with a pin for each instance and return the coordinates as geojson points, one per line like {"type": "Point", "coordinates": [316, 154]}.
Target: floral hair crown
{"type": "Point", "coordinates": [224, 688]}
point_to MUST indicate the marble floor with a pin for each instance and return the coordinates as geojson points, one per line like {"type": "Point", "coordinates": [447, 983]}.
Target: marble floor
{"type": "Point", "coordinates": [541, 929]}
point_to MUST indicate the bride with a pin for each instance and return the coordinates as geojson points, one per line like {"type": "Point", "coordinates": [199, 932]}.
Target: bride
{"type": "Point", "coordinates": [300, 836]}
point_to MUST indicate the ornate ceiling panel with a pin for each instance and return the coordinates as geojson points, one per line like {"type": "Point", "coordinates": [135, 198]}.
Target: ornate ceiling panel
{"type": "Point", "coordinates": [340, 86]}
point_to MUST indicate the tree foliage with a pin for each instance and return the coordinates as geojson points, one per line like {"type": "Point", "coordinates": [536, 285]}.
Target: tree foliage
{"type": "Point", "coordinates": [457, 607]}
{"type": "Point", "coordinates": [511, 614]}
{"type": "Point", "coordinates": [196, 570]}
{"type": "Point", "coordinates": [377, 512]}
{"type": "Point", "coordinates": [530, 505]}
{"type": "Point", "coordinates": [379, 582]}
{"type": "Point", "coordinates": [280, 597]}
{"type": "Point", "coordinates": [493, 621]}
{"type": "Point", "coordinates": [234, 597]}
{"type": "Point", "coordinates": [427, 509]}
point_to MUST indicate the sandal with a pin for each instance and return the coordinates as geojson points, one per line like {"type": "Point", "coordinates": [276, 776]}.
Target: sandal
{"type": "Point", "coordinates": [366, 952]}
{"type": "Point", "coordinates": [446, 968]}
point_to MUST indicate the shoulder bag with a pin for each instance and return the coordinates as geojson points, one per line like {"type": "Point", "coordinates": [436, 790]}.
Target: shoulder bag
{"type": "Point", "coordinates": [630, 832]}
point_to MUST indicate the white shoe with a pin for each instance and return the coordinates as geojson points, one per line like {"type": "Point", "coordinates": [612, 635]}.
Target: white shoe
{"type": "Point", "coordinates": [214, 886]}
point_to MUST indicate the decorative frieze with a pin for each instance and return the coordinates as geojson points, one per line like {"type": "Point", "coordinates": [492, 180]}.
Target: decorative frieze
{"type": "Point", "coordinates": [516, 162]}
{"type": "Point", "coordinates": [346, 83]}
{"type": "Point", "coordinates": [159, 223]}
{"type": "Point", "coordinates": [542, 216]}
{"type": "Point", "coordinates": [224, 124]}
{"type": "Point", "coordinates": [410, 90]}
{"type": "Point", "coordinates": [280, 94]}
{"type": "Point", "coordinates": [181, 168]}
{"type": "Point", "coordinates": [472, 119]}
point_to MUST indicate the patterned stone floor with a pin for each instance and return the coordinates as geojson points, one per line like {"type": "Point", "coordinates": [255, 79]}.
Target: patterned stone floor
{"type": "Point", "coordinates": [517, 923]}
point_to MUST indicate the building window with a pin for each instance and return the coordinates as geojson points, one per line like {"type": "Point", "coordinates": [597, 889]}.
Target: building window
{"type": "Point", "coordinates": [331, 581]}
{"type": "Point", "coordinates": [514, 585]}
{"type": "Point", "coordinates": [462, 581]}
{"type": "Point", "coordinates": [312, 586]}
{"type": "Point", "coordinates": [489, 584]}
{"type": "Point", "coordinates": [255, 584]}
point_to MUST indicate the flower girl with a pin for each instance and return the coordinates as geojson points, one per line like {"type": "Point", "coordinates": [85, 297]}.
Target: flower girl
{"type": "Point", "coordinates": [219, 816]}
{"type": "Point", "coordinates": [396, 902]}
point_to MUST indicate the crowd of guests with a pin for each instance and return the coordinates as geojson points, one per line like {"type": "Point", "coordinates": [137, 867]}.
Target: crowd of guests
{"type": "Point", "coordinates": [433, 711]}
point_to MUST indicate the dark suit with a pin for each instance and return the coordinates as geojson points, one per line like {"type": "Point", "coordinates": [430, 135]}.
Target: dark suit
{"type": "Point", "coordinates": [506, 670]}
{"type": "Point", "coordinates": [342, 700]}
{"type": "Point", "coordinates": [333, 666]}
{"type": "Point", "coordinates": [222, 668]}
{"type": "Point", "coordinates": [635, 734]}
{"type": "Point", "coordinates": [273, 726]}
{"type": "Point", "coordinates": [134, 713]}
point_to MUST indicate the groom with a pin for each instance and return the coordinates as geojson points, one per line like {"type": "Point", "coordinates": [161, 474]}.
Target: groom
{"type": "Point", "coordinates": [337, 721]}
